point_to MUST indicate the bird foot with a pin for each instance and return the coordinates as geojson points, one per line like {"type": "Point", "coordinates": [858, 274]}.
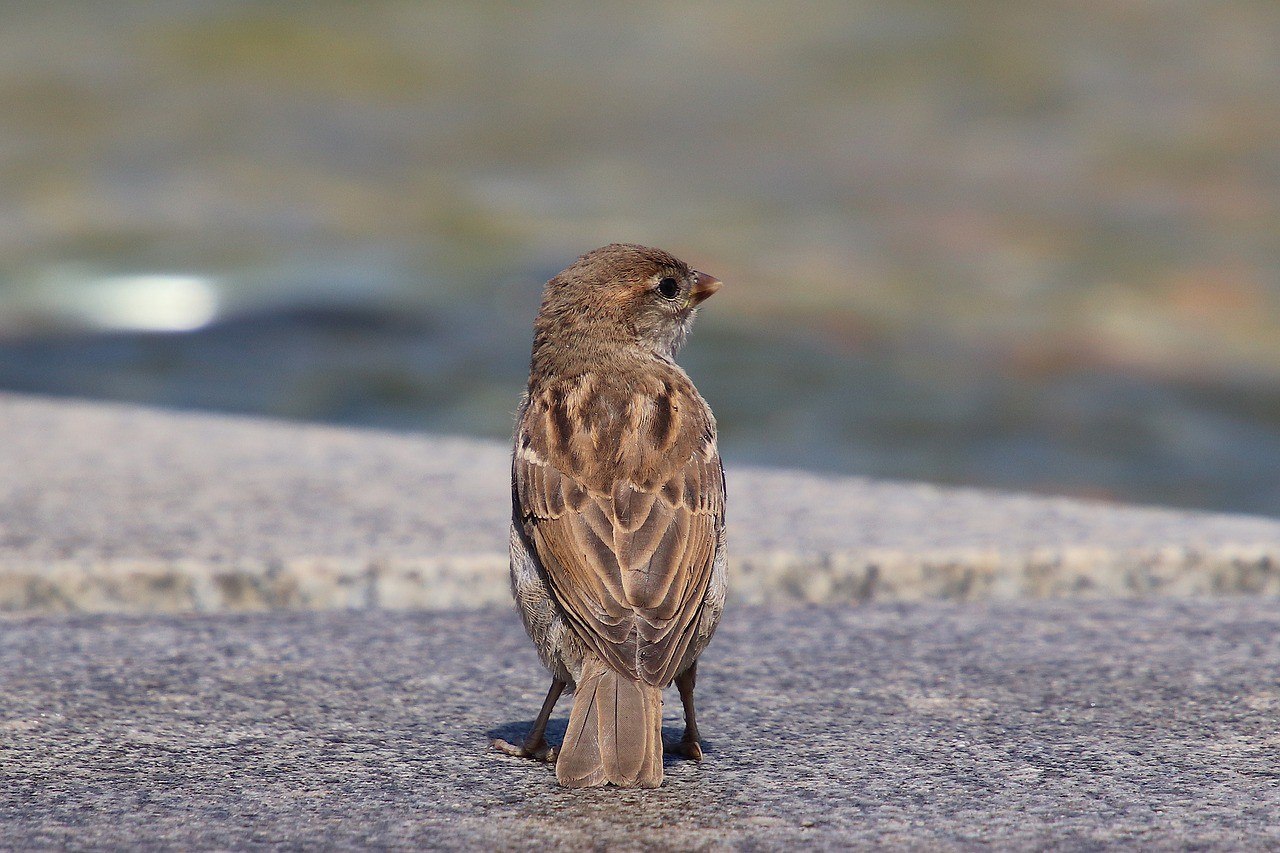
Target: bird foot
{"type": "Point", "coordinates": [690, 749]}
{"type": "Point", "coordinates": [541, 751]}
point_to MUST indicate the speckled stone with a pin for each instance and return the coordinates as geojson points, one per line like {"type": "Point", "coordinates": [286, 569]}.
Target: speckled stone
{"type": "Point", "coordinates": [117, 508]}
{"type": "Point", "coordinates": [1024, 725]}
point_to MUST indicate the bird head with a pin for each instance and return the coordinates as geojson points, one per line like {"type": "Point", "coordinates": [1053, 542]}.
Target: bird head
{"type": "Point", "coordinates": [623, 295]}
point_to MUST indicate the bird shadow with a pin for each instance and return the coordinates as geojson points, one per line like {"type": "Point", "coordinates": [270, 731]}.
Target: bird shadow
{"type": "Point", "coordinates": [514, 732]}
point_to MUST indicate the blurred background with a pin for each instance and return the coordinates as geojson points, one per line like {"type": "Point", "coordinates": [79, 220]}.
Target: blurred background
{"type": "Point", "coordinates": [1015, 244]}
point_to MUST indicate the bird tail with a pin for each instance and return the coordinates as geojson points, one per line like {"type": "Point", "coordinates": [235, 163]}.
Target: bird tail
{"type": "Point", "coordinates": [615, 731]}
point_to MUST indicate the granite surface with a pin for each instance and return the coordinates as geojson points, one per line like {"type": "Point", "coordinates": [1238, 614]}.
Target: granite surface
{"type": "Point", "coordinates": [1024, 725]}
{"type": "Point", "coordinates": [117, 508]}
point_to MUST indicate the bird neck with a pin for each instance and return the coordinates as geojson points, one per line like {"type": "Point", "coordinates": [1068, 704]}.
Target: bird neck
{"type": "Point", "coordinates": [558, 359]}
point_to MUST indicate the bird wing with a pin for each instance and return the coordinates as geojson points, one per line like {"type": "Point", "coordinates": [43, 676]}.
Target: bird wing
{"type": "Point", "coordinates": [623, 502]}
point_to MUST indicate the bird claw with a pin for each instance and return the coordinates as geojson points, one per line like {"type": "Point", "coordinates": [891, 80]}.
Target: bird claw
{"type": "Point", "coordinates": [690, 749]}
{"type": "Point", "coordinates": [545, 752]}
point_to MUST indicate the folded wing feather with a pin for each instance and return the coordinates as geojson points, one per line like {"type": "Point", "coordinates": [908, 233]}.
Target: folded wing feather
{"type": "Point", "coordinates": [627, 539]}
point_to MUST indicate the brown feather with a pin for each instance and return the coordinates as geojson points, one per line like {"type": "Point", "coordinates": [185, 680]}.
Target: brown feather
{"type": "Point", "coordinates": [624, 552]}
{"type": "Point", "coordinates": [580, 764]}
{"type": "Point", "coordinates": [614, 734]}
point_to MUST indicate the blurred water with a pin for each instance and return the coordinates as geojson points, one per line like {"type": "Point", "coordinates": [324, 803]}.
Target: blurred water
{"type": "Point", "coordinates": [1029, 245]}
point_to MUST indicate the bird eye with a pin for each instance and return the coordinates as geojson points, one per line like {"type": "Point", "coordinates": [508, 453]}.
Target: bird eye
{"type": "Point", "coordinates": [669, 287]}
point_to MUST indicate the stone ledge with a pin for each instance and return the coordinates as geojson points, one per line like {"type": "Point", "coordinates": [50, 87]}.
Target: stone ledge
{"type": "Point", "coordinates": [469, 581]}
{"type": "Point", "coordinates": [116, 508]}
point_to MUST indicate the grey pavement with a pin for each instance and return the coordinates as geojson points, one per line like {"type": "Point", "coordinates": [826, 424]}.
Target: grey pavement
{"type": "Point", "coordinates": [119, 508]}
{"type": "Point", "coordinates": [1064, 724]}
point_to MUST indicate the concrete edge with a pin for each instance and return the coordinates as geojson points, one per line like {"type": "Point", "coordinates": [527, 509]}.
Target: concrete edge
{"type": "Point", "coordinates": [474, 581]}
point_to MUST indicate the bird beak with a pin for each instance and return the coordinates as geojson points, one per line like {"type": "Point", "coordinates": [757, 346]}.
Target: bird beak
{"type": "Point", "coordinates": [703, 286]}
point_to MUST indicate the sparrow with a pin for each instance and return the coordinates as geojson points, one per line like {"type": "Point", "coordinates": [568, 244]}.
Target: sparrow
{"type": "Point", "coordinates": [617, 528]}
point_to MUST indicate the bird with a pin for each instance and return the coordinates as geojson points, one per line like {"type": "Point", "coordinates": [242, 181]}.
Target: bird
{"type": "Point", "coordinates": [618, 506]}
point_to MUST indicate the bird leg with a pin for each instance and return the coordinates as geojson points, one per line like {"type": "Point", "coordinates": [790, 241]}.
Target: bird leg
{"type": "Point", "coordinates": [535, 744]}
{"type": "Point", "coordinates": [689, 746]}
